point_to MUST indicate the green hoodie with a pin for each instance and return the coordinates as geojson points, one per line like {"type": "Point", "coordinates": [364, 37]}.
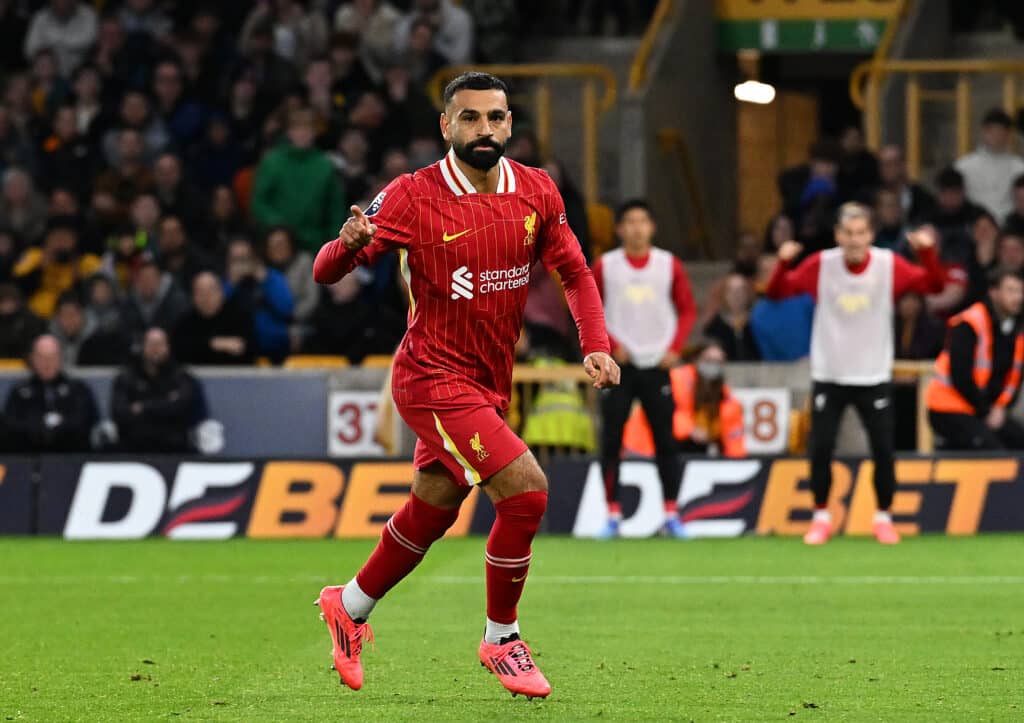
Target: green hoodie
{"type": "Point", "coordinates": [298, 187]}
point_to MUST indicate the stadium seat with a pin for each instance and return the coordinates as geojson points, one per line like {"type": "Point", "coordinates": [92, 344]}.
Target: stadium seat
{"type": "Point", "coordinates": [601, 222]}
{"type": "Point", "coordinates": [377, 361]}
{"type": "Point", "coordinates": [315, 361]}
{"type": "Point", "coordinates": [12, 364]}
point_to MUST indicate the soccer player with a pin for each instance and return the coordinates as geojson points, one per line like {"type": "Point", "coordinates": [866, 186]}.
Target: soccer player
{"type": "Point", "coordinates": [854, 286]}
{"type": "Point", "coordinates": [649, 311]}
{"type": "Point", "coordinates": [468, 229]}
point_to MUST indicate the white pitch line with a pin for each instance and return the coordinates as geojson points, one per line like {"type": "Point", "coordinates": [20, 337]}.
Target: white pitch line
{"type": "Point", "coordinates": [541, 579]}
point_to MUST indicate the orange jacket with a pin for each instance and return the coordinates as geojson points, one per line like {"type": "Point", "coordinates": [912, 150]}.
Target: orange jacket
{"type": "Point", "coordinates": [727, 430]}
{"type": "Point", "coordinates": [942, 396]}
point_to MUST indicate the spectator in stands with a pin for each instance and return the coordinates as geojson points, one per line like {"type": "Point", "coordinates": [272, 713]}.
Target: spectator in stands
{"type": "Point", "coordinates": [71, 327]}
{"type": "Point", "coordinates": [890, 230]}
{"type": "Point", "coordinates": [348, 75]}
{"type": "Point", "coordinates": [780, 230]}
{"type": "Point", "coordinates": [15, 149]}
{"type": "Point", "coordinates": [145, 17]}
{"type": "Point", "coordinates": [802, 186]}
{"type": "Point", "coordinates": [575, 208]}
{"type": "Point", "coordinates": [46, 273]}
{"type": "Point", "coordinates": [498, 25]}
{"type": "Point", "coordinates": [345, 323]}
{"type": "Point", "coordinates": [245, 117]}
{"type": "Point", "coordinates": [374, 21]}
{"type": "Point", "coordinates": [858, 167]}
{"type": "Point", "coordinates": [917, 334]}
{"type": "Point", "coordinates": [49, 411]}
{"type": "Point", "coordinates": [153, 400]}
{"type": "Point", "coordinates": [111, 58]}
{"type": "Point", "coordinates": [135, 114]}
{"type": "Point", "coordinates": [954, 215]}
{"type": "Point", "coordinates": [176, 253]}
{"type": "Point", "coordinates": [327, 105]}
{"type": "Point", "coordinates": [87, 103]}
{"type": "Point", "coordinates": [154, 300]}
{"type": "Point", "coordinates": [454, 27]}
{"type": "Point", "coordinates": [217, 157]}
{"type": "Point", "coordinates": [282, 254]}
{"type": "Point", "coordinates": [182, 116]}
{"type": "Point", "coordinates": [126, 252]}
{"type": "Point", "coordinates": [916, 202]}
{"type": "Point", "coordinates": [314, 207]}
{"type": "Point", "coordinates": [67, 27]}
{"type": "Point", "coordinates": [407, 101]}
{"type": "Point", "coordinates": [978, 374]}
{"type": "Point", "coordinates": [263, 293]}
{"type": "Point", "coordinates": [351, 161]}
{"type": "Point", "coordinates": [224, 221]}
{"type": "Point", "coordinates": [985, 235]}
{"type": "Point", "coordinates": [48, 90]}
{"type": "Point", "coordinates": [214, 331]}
{"type": "Point", "coordinates": [69, 156]}
{"type": "Point", "coordinates": [989, 171]}
{"type": "Point", "coordinates": [18, 325]}
{"type": "Point", "coordinates": [145, 219]}
{"type": "Point", "coordinates": [730, 327]}
{"type": "Point", "coordinates": [22, 208]}
{"type": "Point", "coordinates": [1015, 221]}
{"type": "Point", "coordinates": [129, 176]}
{"type": "Point", "coordinates": [298, 35]}
{"type": "Point", "coordinates": [104, 306]}
{"type": "Point", "coordinates": [746, 262]}
{"type": "Point", "coordinates": [525, 148]}
{"type": "Point", "coordinates": [271, 74]}
{"type": "Point", "coordinates": [176, 197]}
{"type": "Point", "coordinates": [420, 55]}
{"type": "Point", "coordinates": [649, 311]}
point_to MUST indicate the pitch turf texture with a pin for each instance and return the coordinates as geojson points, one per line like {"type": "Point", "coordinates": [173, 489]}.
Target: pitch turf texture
{"type": "Point", "coordinates": [748, 629]}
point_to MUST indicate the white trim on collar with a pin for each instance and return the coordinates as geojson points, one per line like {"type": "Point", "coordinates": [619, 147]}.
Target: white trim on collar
{"type": "Point", "coordinates": [510, 177]}
{"type": "Point", "coordinates": [460, 185]}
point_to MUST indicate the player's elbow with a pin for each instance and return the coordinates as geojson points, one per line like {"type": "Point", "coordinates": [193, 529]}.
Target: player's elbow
{"type": "Point", "coordinates": [323, 273]}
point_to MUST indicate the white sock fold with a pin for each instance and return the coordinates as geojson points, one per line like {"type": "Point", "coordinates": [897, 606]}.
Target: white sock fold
{"type": "Point", "coordinates": [494, 632]}
{"type": "Point", "coordinates": [882, 516]}
{"type": "Point", "coordinates": [357, 603]}
{"type": "Point", "coordinates": [822, 515]}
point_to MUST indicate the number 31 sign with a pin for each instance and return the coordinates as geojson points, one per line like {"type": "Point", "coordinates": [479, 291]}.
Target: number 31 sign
{"type": "Point", "coordinates": [765, 419]}
{"type": "Point", "coordinates": [351, 423]}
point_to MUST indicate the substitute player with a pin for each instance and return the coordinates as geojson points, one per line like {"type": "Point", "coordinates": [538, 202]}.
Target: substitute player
{"type": "Point", "coordinates": [851, 347]}
{"type": "Point", "coordinates": [468, 230]}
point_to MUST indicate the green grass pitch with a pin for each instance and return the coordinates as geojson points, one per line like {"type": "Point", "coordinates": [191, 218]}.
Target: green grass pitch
{"type": "Point", "coordinates": [748, 629]}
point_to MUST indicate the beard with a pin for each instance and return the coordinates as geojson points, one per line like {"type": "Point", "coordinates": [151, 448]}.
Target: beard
{"type": "Point", "coordinates": [481, 155]}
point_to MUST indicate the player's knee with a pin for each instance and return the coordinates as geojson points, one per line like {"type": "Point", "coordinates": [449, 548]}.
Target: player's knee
{"type": "Point", "coordinates": [525, 509]}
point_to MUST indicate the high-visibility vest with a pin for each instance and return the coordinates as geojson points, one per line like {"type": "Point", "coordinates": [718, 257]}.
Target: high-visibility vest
{"type": "Point", "coordinates": [942, 396]}
{"type": "Point", "coordinates": [728, 432]}
{"type": "Point", "coordinates": [559, 416]}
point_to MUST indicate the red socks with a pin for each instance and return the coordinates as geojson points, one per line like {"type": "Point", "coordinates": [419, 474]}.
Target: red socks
{"type": "Point", "coordinates": [403, 543]}
{"type": "Point", "coordinates": [508, 552]}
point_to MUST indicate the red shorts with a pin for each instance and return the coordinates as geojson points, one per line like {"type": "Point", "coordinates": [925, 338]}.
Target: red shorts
{"type": "Point", "coordinates": [468, 436]}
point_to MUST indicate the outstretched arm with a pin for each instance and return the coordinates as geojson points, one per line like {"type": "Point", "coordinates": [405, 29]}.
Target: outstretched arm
{"type": "Point", "coordinates": [560, 251]}
{"type": "Point", "coordinates": [789, 281]}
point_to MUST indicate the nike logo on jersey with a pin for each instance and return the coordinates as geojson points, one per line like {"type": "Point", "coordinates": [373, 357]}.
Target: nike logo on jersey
{"type": "Point", "coordinates": [446, 237]}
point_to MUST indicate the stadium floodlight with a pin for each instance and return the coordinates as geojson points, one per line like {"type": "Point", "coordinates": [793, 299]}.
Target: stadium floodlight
{"type": "Point", "coordinates": [753, 91]}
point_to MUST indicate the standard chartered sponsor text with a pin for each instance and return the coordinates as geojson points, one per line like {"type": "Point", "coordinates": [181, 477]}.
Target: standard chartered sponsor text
{"type": "Point", "coordinates": [513, 277]}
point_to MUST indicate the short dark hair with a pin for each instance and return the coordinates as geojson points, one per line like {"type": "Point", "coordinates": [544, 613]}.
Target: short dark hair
{"type": "Point", "coordinates": [825, 150]}
{"type": "Point", "coordinates": [949, 178]}
{"type": "Point", "coordinates": [473, 81]}
{"type": "Point", "coordinates": [68, 297]}
{"type": "Point", "coordinates": [997, 116]}
{"type": "Point", "coordinates": [630, 205]}
{"type": "Point", "coordinates": [997, 275]}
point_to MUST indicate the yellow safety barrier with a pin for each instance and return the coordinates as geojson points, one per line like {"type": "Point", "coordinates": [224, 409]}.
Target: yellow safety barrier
{"type": "Point", "coordinates": [591, 106]}
{"type": "Point", "coordinates": [638, 69]}
{"type": "Point", "coordinates": [315, 361]}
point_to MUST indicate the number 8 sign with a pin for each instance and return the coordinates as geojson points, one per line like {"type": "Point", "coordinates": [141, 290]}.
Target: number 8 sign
{"type": "Point", "coordinates": [765, 419]}
{"type": "Point", "coordinates": [351, 423]}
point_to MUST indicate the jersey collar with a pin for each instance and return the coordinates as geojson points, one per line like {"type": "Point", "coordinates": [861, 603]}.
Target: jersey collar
{"type": "Point", "coordinates": [460, 185]}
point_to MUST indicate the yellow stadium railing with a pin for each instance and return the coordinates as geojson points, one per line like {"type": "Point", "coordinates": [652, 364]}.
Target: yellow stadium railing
{"type": "Point", "coordinates": [638, 68]}
{"type": "Point", "coordinates": [591, 106]}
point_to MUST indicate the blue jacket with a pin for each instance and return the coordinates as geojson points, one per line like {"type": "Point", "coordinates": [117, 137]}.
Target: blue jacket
{"type": "Point", "coordinates": [271, 305]}
{"type": "Point", "coordinates": [782, 328]}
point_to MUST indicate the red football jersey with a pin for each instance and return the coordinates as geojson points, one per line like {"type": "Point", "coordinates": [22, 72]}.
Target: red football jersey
{"type": "Point", "coordinates": [466, 258]}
